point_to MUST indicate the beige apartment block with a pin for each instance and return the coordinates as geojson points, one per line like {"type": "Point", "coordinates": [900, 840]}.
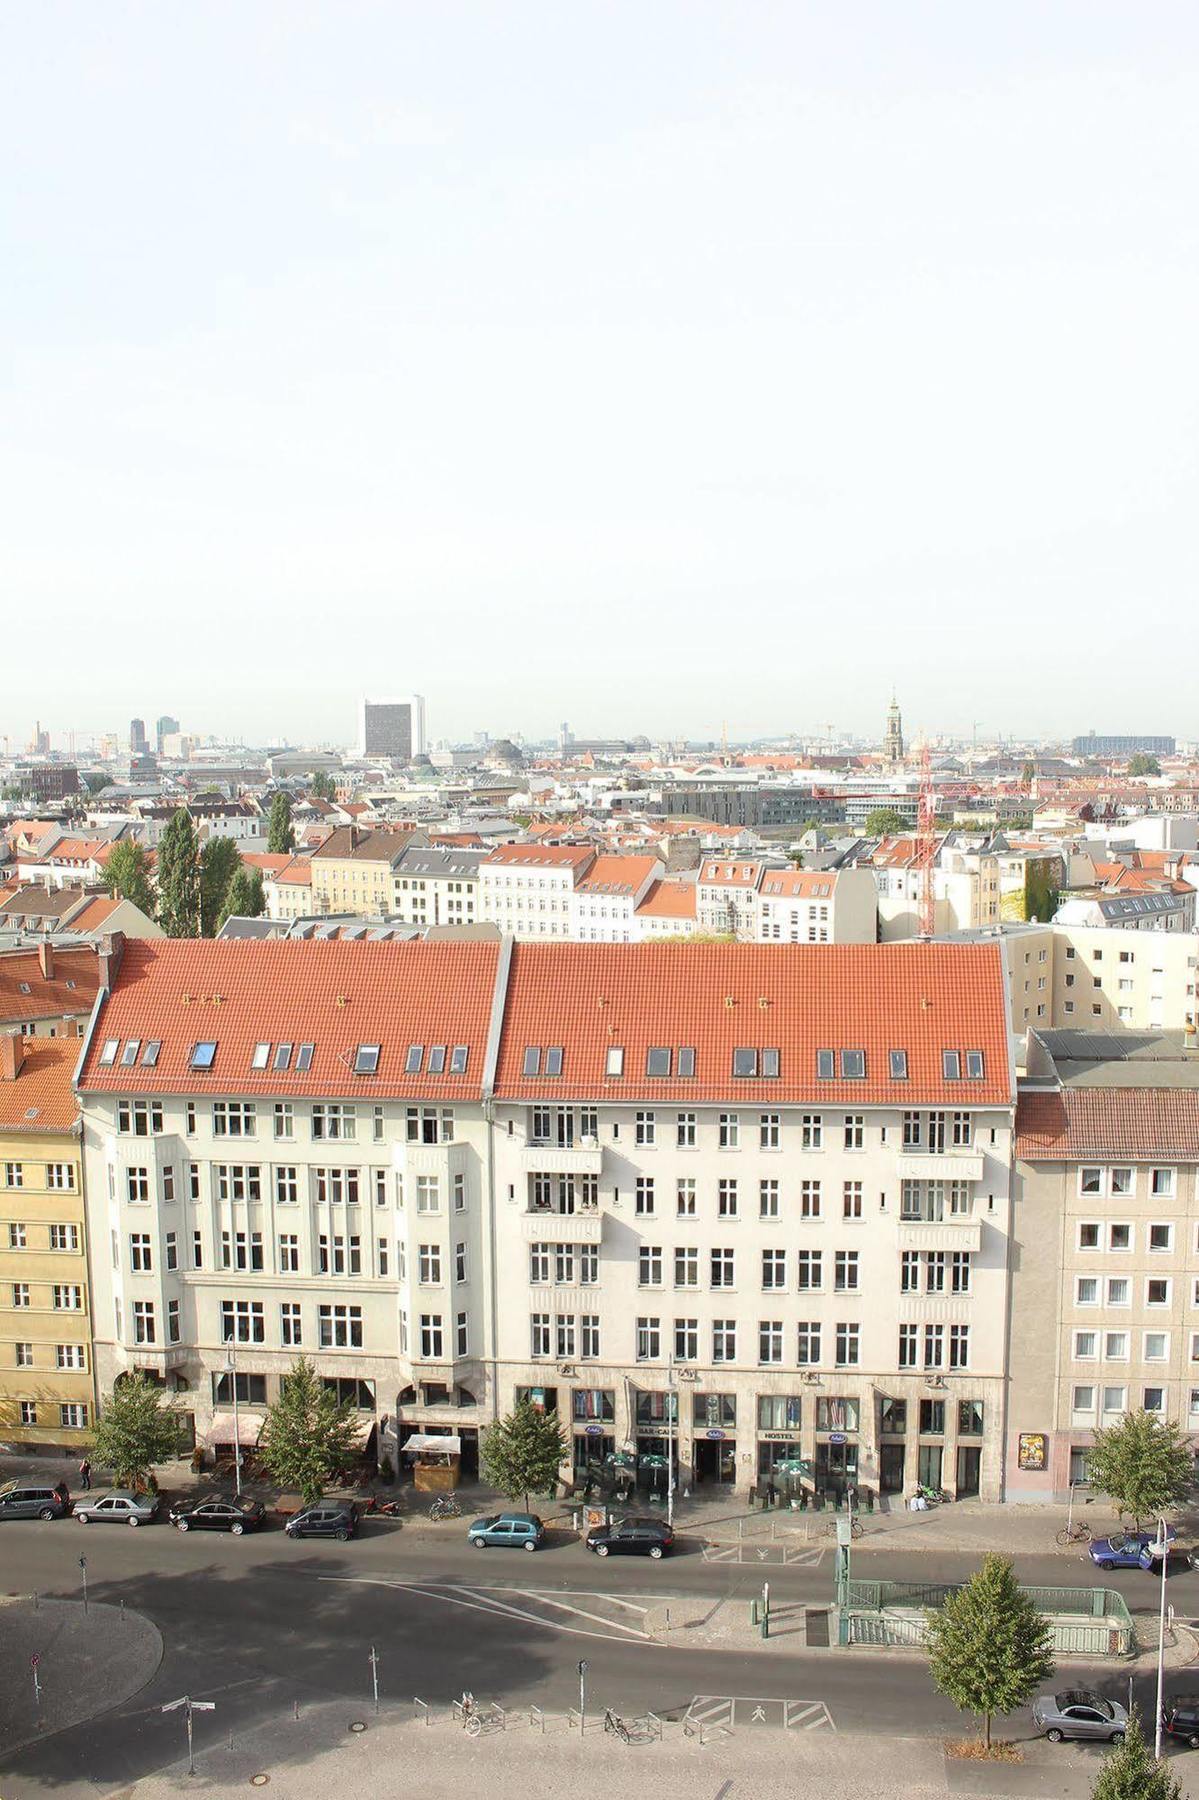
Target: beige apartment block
{"type": "Point", "coordinates": [1095, 978]}
{"type": "Point", "coordinates": [353, 870]}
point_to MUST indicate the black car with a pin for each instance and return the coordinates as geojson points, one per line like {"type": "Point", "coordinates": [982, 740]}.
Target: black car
{"type": "Point", "coordinates": [631, 1537]}
{"type": "Point", "coordinates": [1180, 1719]}
{"type": "Point", "coordinates": [327, 1519]}
{"type": "Point", "coordinates": [217, 1512]}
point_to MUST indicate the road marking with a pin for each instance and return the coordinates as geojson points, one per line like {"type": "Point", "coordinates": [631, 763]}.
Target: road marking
{"type": "Point", "coordinates": [728, 1711]}
{"type": "Point", "coordinates": [477, 1602]}
{"type": "Point", "coordinates": [545, 1600]}
{"type": "Point", "coordinates": [508, 1587]}
{"type": "Point", "coordinates": [790, 1555]}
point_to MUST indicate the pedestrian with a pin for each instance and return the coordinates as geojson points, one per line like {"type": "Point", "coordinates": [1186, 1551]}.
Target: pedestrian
{"type": "Point", "coordinates": [64, 1493]}
{"type": "Point", "coordinates": [85, 1475]}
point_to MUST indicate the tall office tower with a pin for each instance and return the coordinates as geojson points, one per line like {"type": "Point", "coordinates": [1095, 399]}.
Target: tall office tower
{"type": "Point", "coordinates": [137, 737]}
{"type": "Point", "coordinates": [165, 727]}
{"type": "Point", "coordinates": [392, 728]}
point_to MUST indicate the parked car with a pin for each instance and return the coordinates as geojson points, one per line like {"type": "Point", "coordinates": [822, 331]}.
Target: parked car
{"type": "Point", "coordinates": [1078, 1713]}
{"type": "Point", "coordinates": [1124, 1549]}
{"type": "Point", "coordinates": [1180, 1719]}
{"type": "Point", "coordinates": [216, 1512]}
{"type": "Point", "coordinates": [631, 1537]}
{"type": "Point", "coordinates": [120, 1507]}
{"type": "Point", "coordinates": [31, 1500]}
{"type": "Point", "coordinates": [331, 1519]}
{"type": "Point", "coordinates": [522, 1531]}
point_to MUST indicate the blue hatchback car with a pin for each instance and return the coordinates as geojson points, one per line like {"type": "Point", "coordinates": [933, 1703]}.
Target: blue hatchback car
{"type": "Point", "coordinates": [512, 1530]}
{"type": "Point", "coordinates": [1127, 1549]}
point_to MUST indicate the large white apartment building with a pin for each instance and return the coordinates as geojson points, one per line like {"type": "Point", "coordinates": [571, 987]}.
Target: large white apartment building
{"type": "Point", "coordinates": [435, 886]}
{"type": "Point", "coordinates": [817, 906]}
{"type": "Point", "coordinates": [607, 897]}
{"type": "Point", "coordinates": [1096, 978]}
{"type": "Point", "coordinates": [528, 889]}
{"type": "Point", "coordinates": [776, 1185]}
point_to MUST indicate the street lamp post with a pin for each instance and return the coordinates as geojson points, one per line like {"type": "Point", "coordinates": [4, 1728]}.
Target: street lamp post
{"type": "Point", "coordinates": [231, 1365]}
{"type": "Point", "coordinates": [1163, 1549]}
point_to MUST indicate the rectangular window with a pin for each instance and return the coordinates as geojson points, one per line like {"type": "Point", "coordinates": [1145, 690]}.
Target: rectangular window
{"type": "Point", "coordinates": [685, 1131]}
{"type": "Point", "coordinates": [845, 1272]}
{"type": "Point", "coordinates": [959, 1346]}
{"type": "Point", "coordinates": [807, 1348]}
{"type": "Point", "coordinates": [649, 1266]}
{"type": "Point", "coordinates": [685, 1197]}
{"type": "Point", "coordinates": [774, 1269]}
{"type": "Point", "coordinates": [644, 1199]}
{"type": "Point", "coordinates": [431, 1342]}
{"type": "Point", "coordinates": [851, 1199]}
{"type": "Point", "coordinates": [768, 1199]}
{"type": "Point", "coordinates": [854, 1123]}
{"type": "Point", "coordinates": [770, 1341]}
{"type": "Point", "coordinates": [339, 1327]}
{"type": "Point", "coordinates": [809, 1199]}
{"type": "Point", "coordinates": [848, 1349]}
{"type": "Point", "coordinates": [721, 1266]}
{"type": "Point", "coordinates": [810, 1265]}
{"type": "Point", "coordinates": [291, 1331]}
{"type": "Point", "coordinates": [724, 1340]}
{"type": "Point", "coordinates": [66, 1297]}
{"type": "Point", "coordinates": [730, 1131]}
{"type": "Point", "coordinates": [726, 1199]}
{"type": "Point", "coordinates": [686, 1267]}
{"type": "Point", "coordinates": [934, 1346]}
{"type": "Point", "coordinates": [812, 1131]}
{"type": "Point", "coordinates": [648, 1339]}
{"type": "Point", "coordinates": [645, 1127]}
{"type": "Point", "coordinates": [769, 1131]}
{"type": "Point", "coordinates": [909, 1339]}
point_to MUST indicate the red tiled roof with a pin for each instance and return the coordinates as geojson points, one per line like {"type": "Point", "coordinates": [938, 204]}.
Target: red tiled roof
{"type": "Point", "coordinates": [297, 873]}
{"type": "Point", "coordinates": [724, 871]}
{"type": "Point", "coordinates": [543, 856]}
{"type": "Point", "coordinates": [43, 1085]}
{"type": "Point", "coordinates": [48, 999]}
{"type": "Point", "coordinates": [1140, 1124]}
{"type": "Point", "coordinates": [333, 994]}
{"type": "Point", "coordinates": [921, 998]}
{"type": "Point", "coordinates": [626, 873]}
{"type": "Point", "coordinates": [354, 843]}
{"type": "Point", "coordinates": [669, 900]}
{"type": "Point", "coordinates": [268, 861]}
{"type": "Point", "coordinates": [799, 884]}
{"type": "Point", "coordinates": [94, 913]}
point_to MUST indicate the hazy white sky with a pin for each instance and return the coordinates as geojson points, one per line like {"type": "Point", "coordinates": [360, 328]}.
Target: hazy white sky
{"type": "Point", "coordinates": [644, 365]}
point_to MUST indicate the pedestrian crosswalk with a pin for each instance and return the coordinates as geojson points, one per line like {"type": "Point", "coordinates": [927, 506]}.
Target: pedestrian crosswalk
{"type": "Point", "coordinates": [791, 1556]}
{"type": "Point", "coordinates": [735, 1712]}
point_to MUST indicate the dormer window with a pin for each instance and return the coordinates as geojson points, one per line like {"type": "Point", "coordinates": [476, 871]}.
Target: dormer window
{"type": "Point", "coordinates": [366, 1059]}
{"type": "Point", "coordinates": [553, 1060]}
{"type": "Point", "coordinates": [129, 1053]}
{"type": "Point", "coordinates": [437, 1059]}
{"type": "Point", "coordinates": [458, 1056]}
{"type": "Point", "coordinates": [414, 1058]}
{"type": "Point", "coordinates": [109, 1053]}
{"type": "Point", "coordinates": [853, 1065]}
{"type": "Point", "coordinates": [745, 1064]}
{"type": "Point", "coordinates": [282, 1058]}
{"type": "Point", "coordinates": [261, 1057]}
{"type": "Point", "coordinates": [685, 1067]}
{"type": "Point", "coordinates": [150, 1053]}
{"type": "Point", "coordinates": [951, 1065]}
{"type": "Point", "coordinates": [615, 1060]}
{"type": "Point", "coordinates": [770, 1065]}
{"type": "Point", "coordinates": [657, 1061]}
{"type": "Point", "coordinates": [203, 1054]}
{"type": "Point", "coordinates": [304, 1058]}
{"type": "Point", "coordinates": [974, 1065]}
{"type": "Point", "coordinates": [899, 1065]}
{"type": "Point", "coordinates": [532, 1060]}
{"type": "Point", "coordinates": [826, 1065]}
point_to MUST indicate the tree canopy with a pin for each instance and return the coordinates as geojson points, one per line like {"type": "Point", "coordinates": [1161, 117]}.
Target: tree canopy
{"type": "Point", "coordinates": [245, 899]}
{"type": "Point", "coordinates": [179, 905]}
{"type": "Point", "coordinates": [1129, 1772]}
{"type": "Point", "coordinates": [127, 874]}
{"type": "Point", "coordinates": [1142, 1463]}
{"type": "Point", "coordinates": [988, 1646]}
{"type": "Point", "coordinates": [885, 821]}
{"type": "Point", "coordinates": [281, 837]}
{"type": "Point", "coordinates": [522, 1454]}
{"type": "Point", "coordinates": [308, 1434]}
{"type": "Point", "coordinates": [220, 864]}
{"type": "Point", "coordinates": [1141, 764]}
{"type": "Point", "coordinates": [135, 1430]}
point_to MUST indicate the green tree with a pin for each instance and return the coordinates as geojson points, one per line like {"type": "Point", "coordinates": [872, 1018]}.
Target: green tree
{"type": "Point", "coordinates": [988, 1646]}
{"type": "Point", "coordinates": [96, 783]}
{"type": "Point", "coordinates": [321, 785]}
{"type": "Point", "coordinates": [308, 1435]}
{"type": "Point", "coordinates": [885, 821]}
{"type": "Point", "coordinates": [281, 837]}
{"type": "Point", "coordinates": [179, 878]}
{"type": "Point", "coordinates": [522, 1453]}
{"type": "Point", "coordinates": [127, 874]}
{"type": "Point", "coordinates": [220, 864]}
{"type": "Point", "coordinates": [135, 1430]}
{"type": "Point", "coordinates": [1130, 1773]}
{"type": "Point", "coordinates": [1028, 774]}
{"type": "Point", "coordinates": [1140, 764]}
{"type": "Point", "coordinates": [1142, 1463]}
{"type": "Point", "coordinates": [246, 898]}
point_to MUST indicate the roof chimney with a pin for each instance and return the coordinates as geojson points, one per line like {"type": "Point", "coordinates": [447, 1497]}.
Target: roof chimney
{"type": "Point", "coordinates": [45, 957]}
{"type": "Point", "coordinates": [12, 1055]}
{"type": "Point", "coordinates": [110, 952]}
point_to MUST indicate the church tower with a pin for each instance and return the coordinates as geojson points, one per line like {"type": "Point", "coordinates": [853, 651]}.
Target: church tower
{"type": "Point", "coordinates": [893, 742]}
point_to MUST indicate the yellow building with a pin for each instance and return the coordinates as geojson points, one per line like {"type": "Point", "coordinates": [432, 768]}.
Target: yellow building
{"type": "Point", "coordinates": [353, 871]}
{"type": "Point", "coordinates": [47, 1387]}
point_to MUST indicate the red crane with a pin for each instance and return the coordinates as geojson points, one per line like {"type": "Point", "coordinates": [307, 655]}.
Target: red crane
{"type": "Point", "coordinates": [926, 845]}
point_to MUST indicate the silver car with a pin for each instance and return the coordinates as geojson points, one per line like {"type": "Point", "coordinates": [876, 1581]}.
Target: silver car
{"type": "Point", "coordinates": [1078, 1713]}
{"type": "Point", "coordinates": [121, 1506]}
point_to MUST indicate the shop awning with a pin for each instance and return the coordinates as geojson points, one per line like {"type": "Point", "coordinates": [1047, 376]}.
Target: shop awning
{"type": "Point", "coordinates": [422, 1443]}
{"type": "Point", "coordinates": [224, 1430]}
{"type": "Point", "coordinates": [363, 1428]}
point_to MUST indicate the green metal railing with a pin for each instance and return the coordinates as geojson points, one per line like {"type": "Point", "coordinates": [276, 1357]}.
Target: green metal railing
{"type": "Point", "coordinates": [1084, 1621]}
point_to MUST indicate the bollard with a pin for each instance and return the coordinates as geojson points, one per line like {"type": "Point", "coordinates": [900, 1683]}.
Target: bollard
{"type": "Point", "coordinates": [754, 1615]}
{"type": "Point", "coordinates": [122, 1612]}
{"type": "Point", "coordinates": [295, 1709]}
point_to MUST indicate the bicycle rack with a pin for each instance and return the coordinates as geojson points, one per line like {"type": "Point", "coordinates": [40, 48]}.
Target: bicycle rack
{"type": "Point", "coordinates": [498, 1716]}
{"type": "Point", "coordinates": [420, 1708]}
{"type": "Point", "coordinates": [573, 1716]}
{"type": "Point", "coordinates": [537, 1718]}
{"type": "Point", "coordinates": [651, 1723]}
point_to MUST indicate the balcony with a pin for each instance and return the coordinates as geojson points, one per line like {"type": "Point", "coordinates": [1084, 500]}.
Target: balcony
{"type": "Point", "coordinates": [583, 1158]}
{"type": "Point", "coordinates": [956, 1231]}
{"type": "Point", "coordinates": [939, 1165]}
{"type": "Point", "coordinates": [547, 1225]}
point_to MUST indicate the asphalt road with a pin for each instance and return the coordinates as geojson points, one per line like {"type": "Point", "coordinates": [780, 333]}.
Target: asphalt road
{"type": "Point", "coordinates": [260, 1623]}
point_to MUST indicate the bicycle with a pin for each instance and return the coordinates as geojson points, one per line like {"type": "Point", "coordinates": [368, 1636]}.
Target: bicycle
{"type": "Point", "coordinates": [856, 1528]}
{"type": "Point", "coordinates": [1073, 1534]}
{"type": "Point", "coordinates": [615, 1724]}
{"type": "Point", "coordinates": [445, 1507]}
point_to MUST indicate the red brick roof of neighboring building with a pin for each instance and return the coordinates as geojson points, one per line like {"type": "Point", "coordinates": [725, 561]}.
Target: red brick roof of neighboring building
{"type": "Point", "coordinates": [42, 1097]}
{"type": "Point", "coordinates": [1152, 1125]}
{"type": "Point", "coordinates": [270, 862]}
{"type": "Point", "coordinates": [297, 872]}
{"type": "Point", "coordinates": [799, 884]}
{"type": "Point", "coordinates": [617, 874]}
{"type": "Point", "coordinates": [354, 843]}
{"type": "Point", "coordinates": [669, 900]}
{"type": "Point", "coordinates": [333, 994]}
{"type": "Point", "coordinates": [723, 871]}
{"type": "Point", "coordinates": [25, 993]}
{"type": "Point", "coordinates": [540, 856]}
{"type": "Point", "coordinates": [919, 998]}
{"type": "Point", "coordinates": [94, 913]}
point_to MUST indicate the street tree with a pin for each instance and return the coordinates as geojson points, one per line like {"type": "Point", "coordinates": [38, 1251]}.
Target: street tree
{"type": "Point", "coordinates": [523, 1453]}
{"type": "Point", "coordinates": [1142, 1463]}
{"type": "Point", "coordinates": [1141, 764]}
{"type": "Point", "coordinates": [885, 821]}
{"type": "Point", "coordinates": [136, 1429]}
{"type": "Point", "coordinates": [988, 1646]}
{"type": "Point", "coordinates": [308, 1434]}
{"type": "Point", "coordinates": [127, 875]}
{"type": "Point", "coordinates": [245, 899]}
{"type": "Point", "coordinates": [281, 837]}
{"type": "Point", "coordinates": [220, 864]}
{"type": "Point", "coordinates": [1130, 1773]}
{"type": "Point", "coordinates": [179, 909]}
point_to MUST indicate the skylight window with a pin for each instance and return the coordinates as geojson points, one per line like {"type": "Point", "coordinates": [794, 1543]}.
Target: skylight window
{"type": "Point", "coordinates": [458, 1056]}
{"type": "Point", "coordinates": [109, 1053]}
{"type": "Point", "coordinates": [25, 987]}
{"type": "Point", "coordinates": [150, 1053]}
{"type": "Point", "coordinates": [951, 1065]}
{"type": "Point", "coordinates": [261, 1057]}
{"type": "Point", "coordinates": [532, 1062]}
{"type": "Point", "coordinates": [615, 1062]}
{"type": "Point", "coordinates": [770, 1065]}
{"type": "Point", "coordinates": [853, 1065]}
{"type": "Point", "coordinates": [553, 1060]}
{"type": "Point", "coordinates": [899, 1065]}
{"type": "Point", "coordinates": [282, 1057]}
{"type": "Point", "coordinates": [437, 1059]}
{"type": "Point", "coordinates": [657, 1060]}
{"type": "Point", "coordinates": [129, 1053]}
{"type": "Point", "coordinates": [304, 1058]}
{"type": "Point", "coordinates": [366, 1059]}
{"type": "Point", "coordinates": [974, 1065]}
{"type": "Point", "coordinates": [826, 1065]}
{"type": "Point", "coordinates": [745, 1063]}
{"type": "Point", "coordinates": [414, 1058]}
{"type": "Point", "coordinates": [203, 1054]}
{"type": "Point", "coordinates": [685, 1065]}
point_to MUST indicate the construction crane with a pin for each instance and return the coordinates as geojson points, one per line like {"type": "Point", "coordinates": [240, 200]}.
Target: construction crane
{"type": "Point", "coordinates": [926, 845]}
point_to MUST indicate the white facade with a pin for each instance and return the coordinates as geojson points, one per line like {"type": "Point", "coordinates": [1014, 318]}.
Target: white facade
{"type": "Point", "coordinates": [818, 907]}
{"type": "Point", "coordinates": [530, 898]}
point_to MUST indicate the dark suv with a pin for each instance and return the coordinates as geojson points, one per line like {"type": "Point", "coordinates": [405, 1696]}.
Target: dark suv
{"type": "Point", "coordinates": [1180, 1719]}
{"type": "Point", "coordinates": [631, 1537]}
{"type": "Point", "coordinates": [29, 1500]}
{"type": "Point", "coordinates": [327, 1519]}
